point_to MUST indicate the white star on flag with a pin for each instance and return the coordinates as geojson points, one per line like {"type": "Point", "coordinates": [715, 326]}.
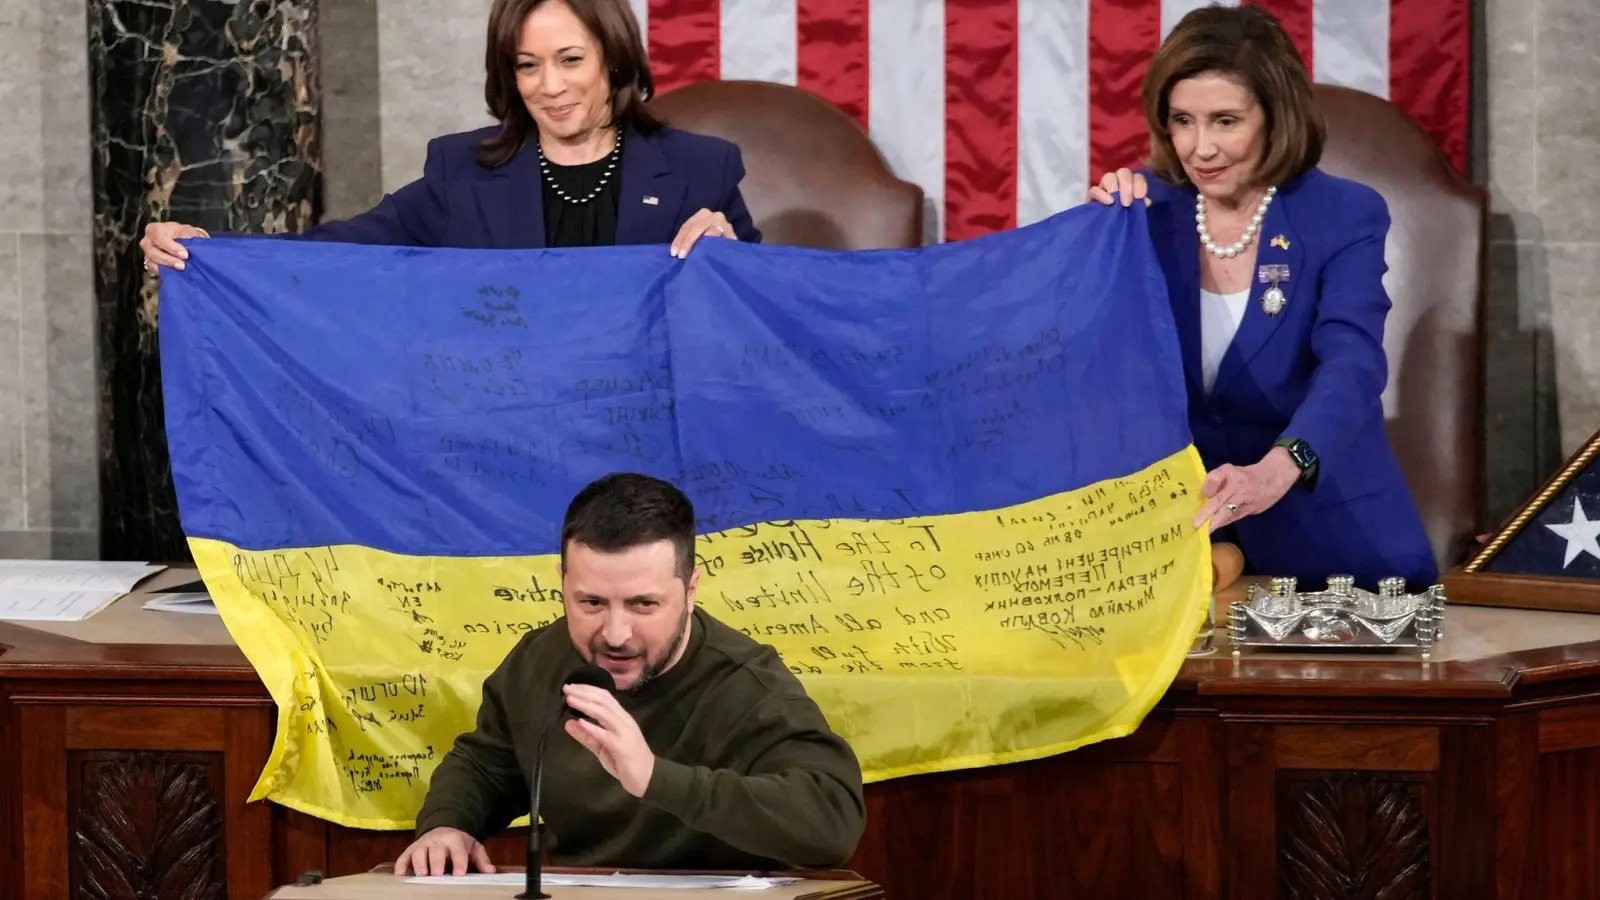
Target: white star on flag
{"type": "Point", "coordinates": [1581, 534]}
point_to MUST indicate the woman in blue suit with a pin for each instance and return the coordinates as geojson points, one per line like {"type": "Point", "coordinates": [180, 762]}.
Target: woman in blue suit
{"type": "Point", "coordinates": [575, 161]}
{"type": "Point", "coordinates": [1275, 274]}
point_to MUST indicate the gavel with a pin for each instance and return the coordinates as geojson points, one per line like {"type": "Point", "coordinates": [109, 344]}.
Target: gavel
{"type": "Point", "coordinates": [1227, 564]}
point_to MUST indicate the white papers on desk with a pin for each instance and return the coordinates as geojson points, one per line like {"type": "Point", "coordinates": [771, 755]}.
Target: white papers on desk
{"type": "Point", "coordinates": [64, 590]}
{"type": "Point", "coordinates": [182, 603]}
{"type": "Point", "coordinates": [650, 882]}
{"type": "Point", "coordinates": [53, 606]}
{"type": "Point", "coordinates": [73, 575]}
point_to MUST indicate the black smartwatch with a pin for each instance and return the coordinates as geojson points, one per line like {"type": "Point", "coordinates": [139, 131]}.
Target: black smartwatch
{"type": "Point", "coordinates": [1303, 456]}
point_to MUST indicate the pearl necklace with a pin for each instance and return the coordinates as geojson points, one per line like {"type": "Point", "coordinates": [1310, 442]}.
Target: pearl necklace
{"type": "Point", "coordinates": [544, 166]}
{"type": "Point", "coordinates": [1233, 249]}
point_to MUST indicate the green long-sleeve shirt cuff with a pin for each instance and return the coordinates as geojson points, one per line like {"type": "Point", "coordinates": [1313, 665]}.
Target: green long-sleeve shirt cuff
{"type": "Point", "coordinates": [445, 817]}
{"type": "Point", "coordinates": [788, 817]}
{"type": "Point", "coordinates": [671, 785]}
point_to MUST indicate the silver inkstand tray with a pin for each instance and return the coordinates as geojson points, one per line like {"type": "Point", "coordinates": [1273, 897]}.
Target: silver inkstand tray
{"type": "Point", "coordinates": [1341, 617]}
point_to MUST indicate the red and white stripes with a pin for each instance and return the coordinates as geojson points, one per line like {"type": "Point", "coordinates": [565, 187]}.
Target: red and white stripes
{"type": "Point", "coordinates": [1002, 110]}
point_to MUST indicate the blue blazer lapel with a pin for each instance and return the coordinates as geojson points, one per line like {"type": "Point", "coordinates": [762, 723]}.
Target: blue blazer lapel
{"type": "Point", "coordinates": [1175, 234]}
{"type": "Point", "coordinates": [648, 210]}
{"type": "Point", "coordinates": [1256, 328]}
{"type": "Point", "coordinates": [512, 200]}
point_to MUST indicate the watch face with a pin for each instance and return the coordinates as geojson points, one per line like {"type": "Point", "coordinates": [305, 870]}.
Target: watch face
{"type": "Point", "coordinates": [1302, 454]}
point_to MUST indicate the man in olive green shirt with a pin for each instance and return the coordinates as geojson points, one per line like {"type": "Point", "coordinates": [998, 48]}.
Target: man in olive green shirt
{"type": "Point", "coordinates": [709, 756]}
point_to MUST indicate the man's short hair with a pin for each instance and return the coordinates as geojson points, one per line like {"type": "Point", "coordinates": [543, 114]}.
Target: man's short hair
{"type": "Point", "coordinates": [624, 510]}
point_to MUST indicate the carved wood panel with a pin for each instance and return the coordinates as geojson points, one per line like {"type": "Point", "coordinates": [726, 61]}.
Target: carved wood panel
{"type": "Point", "coordinates": [146, 825]}
{"type": "Point", "coordinates": [1353, 836]}
{"type": "Point", "coordinates": [1044, 830]}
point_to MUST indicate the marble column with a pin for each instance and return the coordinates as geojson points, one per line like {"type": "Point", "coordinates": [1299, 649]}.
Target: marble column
{"type": "Point", "coordinates": [203, 112]}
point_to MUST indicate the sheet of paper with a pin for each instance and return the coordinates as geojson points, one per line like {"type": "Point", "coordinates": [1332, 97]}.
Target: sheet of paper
{"type": "Point", "coordinates": [53, 606]}
{"type": "Point", "coordinates": [649, 882]}
{"type": "Point", "coordinates": [72, 575]}
{"type": "Point", "coordinates": [182, 603]}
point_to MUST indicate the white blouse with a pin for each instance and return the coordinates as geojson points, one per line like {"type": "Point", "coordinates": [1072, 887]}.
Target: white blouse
{"type": "Point", "coordinates": [1220, 315]}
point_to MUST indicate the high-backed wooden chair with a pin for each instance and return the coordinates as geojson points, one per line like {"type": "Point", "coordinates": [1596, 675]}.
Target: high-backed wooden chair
{"type": "Point", "coordinates": [813, 178]}
{"type": "Point", "coordinates": [1434, 334]}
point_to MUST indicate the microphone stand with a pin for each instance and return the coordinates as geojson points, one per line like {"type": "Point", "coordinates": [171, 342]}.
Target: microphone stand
{"type": "Point", "coordinates": [532, 887]}
{"type": "Point", "coordinates": [591, 675]}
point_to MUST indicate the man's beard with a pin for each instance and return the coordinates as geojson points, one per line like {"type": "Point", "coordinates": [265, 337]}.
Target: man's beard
{"type": "Point", "coordinates": [650, 670]}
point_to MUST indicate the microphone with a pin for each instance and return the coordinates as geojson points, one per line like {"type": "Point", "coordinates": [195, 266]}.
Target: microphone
{"type": "Point", "coordinates": [594, 676]}
{"type": "Point", "coordinates": [591, 675]}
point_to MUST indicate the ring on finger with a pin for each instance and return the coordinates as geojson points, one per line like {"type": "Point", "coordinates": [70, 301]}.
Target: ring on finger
{"type": "Point", "coordinates": [721, 230]}
{"type": "Point", "coordinates": [1231, 508]}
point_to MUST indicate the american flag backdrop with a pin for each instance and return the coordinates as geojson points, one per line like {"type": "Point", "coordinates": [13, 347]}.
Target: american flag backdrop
{"type": "Point", "coordinates": [1001, 109]}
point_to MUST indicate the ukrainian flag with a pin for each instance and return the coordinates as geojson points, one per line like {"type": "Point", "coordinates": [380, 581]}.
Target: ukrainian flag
{"type": "Point", "coordinates": [953, 486]}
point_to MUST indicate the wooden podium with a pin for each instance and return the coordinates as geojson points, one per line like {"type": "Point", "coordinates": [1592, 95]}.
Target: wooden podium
{"type": "Point", "coordinates": [131, 740]}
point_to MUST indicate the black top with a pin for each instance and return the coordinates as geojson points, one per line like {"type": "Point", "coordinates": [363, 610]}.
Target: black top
{"type": "Point", "coordinates": [571, 224]}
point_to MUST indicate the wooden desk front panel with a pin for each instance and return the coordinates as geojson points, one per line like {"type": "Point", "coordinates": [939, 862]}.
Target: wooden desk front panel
{"type": "Point", "coordinates": [1358, 810]}
{"type": "Point", "coordinates": [1196, 805]}
{"type": "Point", "coordinates": [123, 782]}
{"type": "Point", "coordinates": [118, 798]}
{"type": "Point", "coordinates": [130, 795]}
{"type": "Point", "coordinates": [1135, 817]}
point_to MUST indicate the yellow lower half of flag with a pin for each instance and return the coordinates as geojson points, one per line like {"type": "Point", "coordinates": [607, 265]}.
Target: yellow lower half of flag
{"type": "Point", "coordinates": [930, 643]}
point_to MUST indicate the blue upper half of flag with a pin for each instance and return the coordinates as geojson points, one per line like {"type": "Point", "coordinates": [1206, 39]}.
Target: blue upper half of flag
{"type": "Point", "coordinates": [451, 402]}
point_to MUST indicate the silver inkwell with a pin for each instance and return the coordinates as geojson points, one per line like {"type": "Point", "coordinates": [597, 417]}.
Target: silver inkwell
{"type": "Point", "coordinates": [1342, 616]}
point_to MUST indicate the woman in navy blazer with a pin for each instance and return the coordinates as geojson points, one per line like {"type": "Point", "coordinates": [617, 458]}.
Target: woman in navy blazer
{"type": "Point", "coordinates": [575, 161]}
{"type": "Point", "coordinates": [1274, 270]}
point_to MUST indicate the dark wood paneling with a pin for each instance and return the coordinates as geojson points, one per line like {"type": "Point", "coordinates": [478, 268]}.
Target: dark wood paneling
{"type": "Point", "coordinates": [1568, 824]}
{"type": "Point", "coordinates": [247, 738]}
{"type": "Point", "coordinates": [1056, 828]}
{"type": "Point", "coordinates": [351, 850]}
{"type": "Point", "coordinates": [300, 845]}
{"type": "Point", "coordinates": [996, 809]}
{"type": "Point", "coordinates": [145, 825]}
{"type": "Point", "coordinates": [1161, 738]}
{"type": "Point", "coordinates": [1464, 827]}
{"type": "Point", "coordinates": [1103, 850]}
{"type": "Point", "coordinates": [1516, 805]}
{"type": "Point", "coordinates": [916, 823]}
{"type": "Point", "coordinates": [11, 825]}
{"type": "Point", "coordinates": [145, 728]}
{"type": "Point", "coordinates": [1251, 794]}
{"type": "Point", "coordinates": [42, 776]}
{"type": "Point", "coordinates": [1575, 727]}
{"type": "Point", "coordinates": [1391, 748]}
{"type": "Point", "coordinates": [1203, 776]}
{"type": "Point", "coordinates": [1354, 836]}
{"type": "Point", "coordinates": [1206, 800]}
